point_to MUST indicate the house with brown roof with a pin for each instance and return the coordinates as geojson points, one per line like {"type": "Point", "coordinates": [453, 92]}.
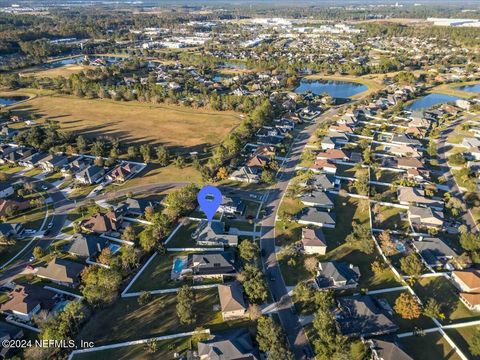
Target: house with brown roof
{"type": "Point", "coordinates": [402, 150]}
{"type": "Point", "coordinates": [265, 151]}
{"type": "Point", "coordinates": [121, 173]}
{"type": "Point", "coordinates": [232, 302]}
{"type": "Point", "coordinates": [468, 282]}
{"type": "Point", "coordinates": [24, 301]}
{"type": "Point", "coordinates": [333, 155]}
{"type": "Point", "coordinates": [16, 206]}
{"type": "Point", "coordinates": [313, 241]}
{"type": "Point", "coordinates": [414, 196]}
{"type": "Point", "coordinates": [102, 223]}
{"type": "Point", "coordinates": [62, 272]}
{"type": "Point", "coordinates": [256, 162]}
{"type": "Point", "coordinates": [324, 166]}
{"type": "Point", "coordinates": [408, 163]}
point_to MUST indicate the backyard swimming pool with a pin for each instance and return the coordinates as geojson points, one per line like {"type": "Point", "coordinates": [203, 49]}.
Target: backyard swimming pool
{"type": "Point", "coordinates": [179, 264]}
{"type": "Point", "coordinates": [114, 248]}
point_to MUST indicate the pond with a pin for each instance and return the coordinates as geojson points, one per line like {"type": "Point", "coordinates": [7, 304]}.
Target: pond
{"type": "Point", "coordinates": [220, 77]}
{"type": "Point", "coordinates": [470, 88]}
{"type": "Point", "coordinates": [9, 100]}
{"type": "Point", "coordinates": [426, 102]}
{"type": "Point", "coordinates": [334, 88]}
{"type": "Point", "coordinates": [63, 62]}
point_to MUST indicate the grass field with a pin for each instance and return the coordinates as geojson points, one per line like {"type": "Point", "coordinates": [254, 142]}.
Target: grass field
{"type": "Point", "coordinates": [451, 89]}
{"type": "Point", "coordinates": [429, 347]}
{"type": "Point", "coordinates": [181, 128]}
{"type": "Point", "coordinates": [64, 71]}
{"type": "Point", "coordinates": [463, 337]}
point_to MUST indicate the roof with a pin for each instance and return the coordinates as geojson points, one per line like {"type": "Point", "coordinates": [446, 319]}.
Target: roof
{"type": "Point", "coordinates": [471, 278]}
{"type": "Point", "coordinates": [256, 161]}
{"type": "Point", "coordinates": [25, 298]}
{"type": "Point", "coordinates": [61, 270]}
{"type": "Point", "coordinates": [315, 216]}
{"type": "Point", "coordinates": [313, 237]}
{"type": "Point", "coordinates": [231, 297]}
{"type": "Point", "coordinates": [472, 298]}
{"type": "Point", "coordinates": [214, 232]}
{"type": "Point", "coordinates": [317, 197]}
{"type": "Point", "coordinates": [102, 222]}
{"type": "Point", "coordinates": [232, 345]}
{"type": "Point", "coordinates": [323, 163]}
{"type": "Point", "coordinates": [427, 216]}
{"type": "Point", "coordinates": [388, 350]}
{"type": "Point", "coordinates": [361, 315]}
{"type": "Point", "coordinates": [409, 162]}
{"type": "Point", "coordinates": [212, 263]}
{"type": "Point", "coordinates": [432, 248]}
{"type": "Point", "coordinates": [322, 181]}
{"type": "Point", "coordinates": [332, 154]}
{"type": "Point", "coordinates": [334, 271]}
{"type": "Point", "coordinates": [414, 195]}
{"type": "Point", "coordinates": [86, 245]}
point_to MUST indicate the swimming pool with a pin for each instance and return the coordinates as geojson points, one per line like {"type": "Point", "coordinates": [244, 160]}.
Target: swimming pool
{"type": "Point", "coordinates": [114, 248]}
{"type": "Point", "coordinates": [400, 247]}
{"type": "Point", "coordinates": [179, 264]}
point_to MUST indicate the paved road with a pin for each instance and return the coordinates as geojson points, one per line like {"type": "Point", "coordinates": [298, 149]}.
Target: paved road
{"type": "Point", "coordinates": [442, 148]}
{"type": "Point", "coordinates": [288, 317]}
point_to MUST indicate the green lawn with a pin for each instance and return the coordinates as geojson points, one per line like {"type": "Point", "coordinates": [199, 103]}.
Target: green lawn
{"type": "Point", "coordinates": [429, 347]}
{"type": "Point", "coordinates": [157, 274]}
{"type": "Point", "coordinates": [294, 272]}
{"type": "Point", "coordinates": [445, 293]}
{"type": "Point", "coordinates": [183, 237]}
{"type": "Point", "coordinates": [463, 337]}
{"type": "Point", "coordinates": [31, 218]}
{"type": "Point", "coordinates": [286, 231]}
{"type": "Point", "coordinates": [385, 176]}
{"type": "Point", "coordinates": [53, 177]}
{"type": "Point", "coordinates": [346, 170]}
{"type": "Point", "coordinates": [8, 251]}
{"type": "Point", "coordinates": [10, 169]}
{"type": "Point", "coordinates": [127, 320]}
{"type": "Point", "coordinates": [33, 172]}
{"type": "Point", "coordinates": [388, 218]}
{"type": "Point", "coordinates": [81, 192]}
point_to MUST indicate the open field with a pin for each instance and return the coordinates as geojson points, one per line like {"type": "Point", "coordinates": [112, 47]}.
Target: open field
{"type": "Point", "coordinates": [64, 71]}
{"type": "Point", "coordinates": [183, 128]}
{"type": "Point", "coordinates": [451, 89]}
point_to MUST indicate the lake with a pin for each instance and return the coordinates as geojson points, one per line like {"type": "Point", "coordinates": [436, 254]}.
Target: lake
{"type": "Point", "coordinates": [9, 100]}
{"type": "Point", "coordinates": [334, 88]}
{"type": "Point", "coordinates": [470, 88]}
{"type": "Point", "coordinates": [63, 62]}
{"type": "Point", "coordinates": [234, 65]}
{"type": "Point", "coordinates": [426, 102]}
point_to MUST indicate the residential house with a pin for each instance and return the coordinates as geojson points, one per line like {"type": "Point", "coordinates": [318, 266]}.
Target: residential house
{"type": "Point", "coordinates": [232, 205]}
{"type": "Point", "coordinates": [11, 229]}
{"type": "Point", "coordinates": [33, 160]}
{"type": "Point", "coordinates": [325, 166]}
{"type": "Point", "coordinates": [333, 155]}
{"type": "Point", "coordinates": [402, 150]}
{"type": "Point", "coordinates": [408, 163]}
{"type": "Point", "coordinates": [9, 332]}
{"type": "Point", "coordinates": [90, 175]}
{"type": "Point", "coordinates": [232, 302]}
{"type": "Point", "coordinates": [13, 205]}
{"type": "Point", "coordinates": [213, 233]}
{"type": "Point", "coordinates": [245, 174]}
{"type": "Point", "coordinates": [313, 241]}
{"type": "Point", "coordinates": [387, 350]}
{"type": "Point", "coordinates": [233, 345]}
{"type": "Point", "coordinates": [363, 315]}
{"type": "Point", "coordinates": [333, 139]}
{"type": "Point", "coordinates": [414, 196]}
{"type": "Point", "coordinates": [468, 282]}
{"type": "Point", "coordinates": [76, 166]}
{"type": "Point", "coordinates": [61, 271]}
{"type": "Point", "coordinates": [425, 218]}
{"type": "Point", "coordinates": [434, 251]}
{"type": "Point", "coordinates": [122, 173]}
{"type": "Point", "coordinates": [317, 198]}
{"type": "Point", "coordinates": [403, 139]}
{"type": "Point", "coordinates": [25, 301]}
{"type": "Point", "coordinates": [137, 207]}
{"type": "Point", "coordinates": [86, 246]}
{"type": "Point", "coordinates": [6, 190]}
{"type": "Point", "coordinates": [51, 162]}
{"type": "Point", "coordinates": [311, 216]}
{"type": "Point", "coordinates": [337, 275]}
{"type": "Point", "coordinates": [470, 142]}
{"type": "Point", "coordinates": [320, 182]}
{"type": "Point", "coordinates": [211, 264]}
{"type": "Point", "coordinates": [103, 223]}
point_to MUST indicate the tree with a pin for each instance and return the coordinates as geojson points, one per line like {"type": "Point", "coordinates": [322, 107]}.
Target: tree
{"type": "Point", "coordinates": [433, 309]}
{"type": "Point", "coordinates": [162, 155]}
{"type": "Point", "coordinates": [37, 252]}
{"type": "Point", "coordinates": [303, 293]}
{"type": "Point", "coordinates": [362, 184]}
{"type": "Point", "coordinates": [254, 284]}
{"type": "Point", "coordinates": [411, 265]}
{"type": "Point", "coordinates": [65, 325]}
{"type": "Point", "coordinates": [311, 264]}
{"type": "Point", "coordinates": [185, 305]}
{"type": "Point", "coordinates": [144, 298]}
{"type": "Point", "coordinates": [270, 339]}
{"type": "Point", "coordinates": [100, 285]}
{"type": "Point", "coordinates": [81, 144]}
{"type": "Point", "coordinates": [407, 306]}
{"type": "Point", "coordinates": [147, 240]}
{"type": "Point", "coordinates": [151, 346]}
{"type": "Point", "coordinates": [248, 250]}
{"type": "Point", "coordinates": [179, 162]}
{"type": "Point", "coordinates": [268, 176]}
{"type": "Point", "coordinates": [129, 233]}
{"type": "Point", "coordinates": [474, 344]}
{"type": "Point", "coordinates": [377, 267]}
{"type": "Point", "coordinates": [386, 243]}
{"type": "Point", "coordinates": [146, 152]}
{"type": "Point", "coordinates": [470, 241]}
{"type": "Point", "coordinates": [105, 256]}
{"type": "Point", "coordinates": [254, 312]}
{"type": "Point", "coordinates": [128, 257]}
{"type": "Point", "coordinates": [132, 152]}
{"type": "Point", "coordinates": [361, 238]}
{"type": "Point", "coordinates": [329, 343]}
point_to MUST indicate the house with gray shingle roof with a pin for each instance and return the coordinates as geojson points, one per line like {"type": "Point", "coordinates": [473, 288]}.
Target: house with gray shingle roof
{"type": "Point", "coordinates": [232, 301]}
{"type": "Point", "coordinates": [337, 275]}
{"type": "Point", "coordinates": [232, 345]}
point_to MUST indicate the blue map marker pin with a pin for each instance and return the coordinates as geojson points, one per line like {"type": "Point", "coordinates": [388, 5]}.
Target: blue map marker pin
{"type": "Point", "coordinates": [209, 199]}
